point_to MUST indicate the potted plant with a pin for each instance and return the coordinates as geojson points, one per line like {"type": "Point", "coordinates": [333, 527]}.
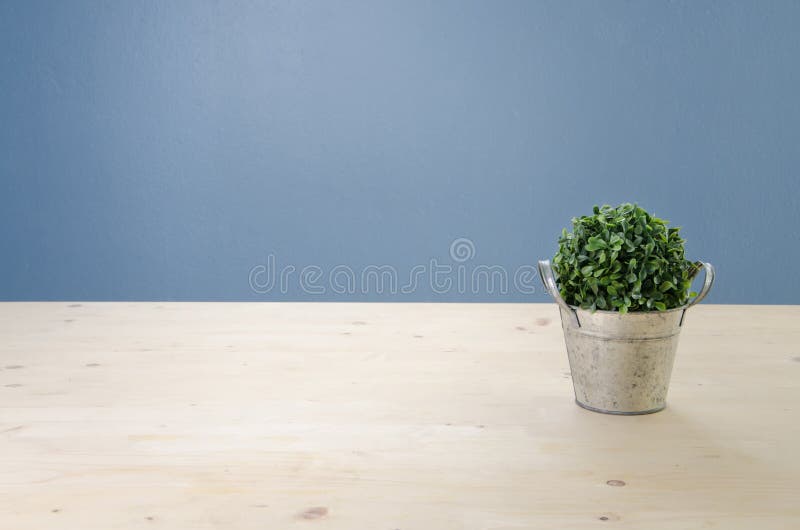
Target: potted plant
{"type": "Point", "coordinates": [622, 284]}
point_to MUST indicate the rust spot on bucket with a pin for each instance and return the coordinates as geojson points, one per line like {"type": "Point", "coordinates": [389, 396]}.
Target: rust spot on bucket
{"type": "Point", "coordinates": [316, 512]}
{"type": "Point", "coordinates": [617, 483]}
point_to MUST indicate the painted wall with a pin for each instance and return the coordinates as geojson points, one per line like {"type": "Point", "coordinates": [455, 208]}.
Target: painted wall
{"type": "Point", "coordinates": [174, 150]}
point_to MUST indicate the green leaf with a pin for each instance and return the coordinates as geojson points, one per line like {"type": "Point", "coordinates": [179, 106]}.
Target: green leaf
{"type": "Point", "coordinates": [623, 258]}
{"type": "Point", "coordinates": [595, 243]}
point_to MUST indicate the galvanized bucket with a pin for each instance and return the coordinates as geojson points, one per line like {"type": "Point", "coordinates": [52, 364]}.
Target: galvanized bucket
{"type": "Point", "coordinates": [621, 364]}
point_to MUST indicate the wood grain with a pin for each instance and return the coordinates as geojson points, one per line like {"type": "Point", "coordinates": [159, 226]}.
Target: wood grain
{"type": "Point", "coordinates": [382, 416]}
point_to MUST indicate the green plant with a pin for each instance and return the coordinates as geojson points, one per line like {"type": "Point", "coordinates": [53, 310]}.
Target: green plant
{"type": "Point", "coordinates": [623, 259]}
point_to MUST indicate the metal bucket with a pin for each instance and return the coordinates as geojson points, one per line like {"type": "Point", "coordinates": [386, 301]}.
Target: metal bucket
{"type": "Point", "coordinates": [621, 364]}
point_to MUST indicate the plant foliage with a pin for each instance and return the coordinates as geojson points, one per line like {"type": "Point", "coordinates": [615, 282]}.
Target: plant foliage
{"type": "Point", "coordinates": [623, 259]}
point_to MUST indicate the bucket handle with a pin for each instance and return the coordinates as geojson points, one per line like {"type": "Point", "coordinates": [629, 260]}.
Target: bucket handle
{"type": "Point", "coordinates": [549, 281]}
{"type": "Point", "coordinates": [707, 283]}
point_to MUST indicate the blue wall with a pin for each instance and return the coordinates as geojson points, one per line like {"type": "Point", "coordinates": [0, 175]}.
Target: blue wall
{"type": "Point", "coordinates": [164, 150]}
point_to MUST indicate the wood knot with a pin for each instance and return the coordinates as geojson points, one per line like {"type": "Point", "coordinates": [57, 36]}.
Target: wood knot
{"type": "Point", "coordinates": [316, 512]}
{"type": "Point", "coordinates": [617, 483]}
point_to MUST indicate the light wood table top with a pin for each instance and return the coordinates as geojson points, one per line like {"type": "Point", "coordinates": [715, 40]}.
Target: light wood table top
{"type": "Point", "coordinates": [381, 417]}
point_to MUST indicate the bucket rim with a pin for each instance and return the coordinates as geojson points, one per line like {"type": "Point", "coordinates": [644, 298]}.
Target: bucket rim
{"type": "Point", "coordinates": [551, 286]}
{"type": "Point", "coordinates": [631, 313]}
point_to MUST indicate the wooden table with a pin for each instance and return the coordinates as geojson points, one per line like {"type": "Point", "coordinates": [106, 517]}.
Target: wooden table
{"type": "Point", "coordinates": [381, 417]}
